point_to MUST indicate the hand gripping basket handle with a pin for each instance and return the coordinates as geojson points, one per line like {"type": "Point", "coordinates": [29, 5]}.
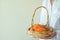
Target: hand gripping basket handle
{"type": "Point", "coordinates": [47, 23]}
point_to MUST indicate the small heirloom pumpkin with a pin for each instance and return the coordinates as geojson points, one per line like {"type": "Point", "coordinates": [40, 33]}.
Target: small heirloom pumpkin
{"type": "Point", "coordinates": [38, 28]}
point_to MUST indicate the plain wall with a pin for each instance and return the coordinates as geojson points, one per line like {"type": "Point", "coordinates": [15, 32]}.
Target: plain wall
{"type": "Point", "coordinates": [15, 18]}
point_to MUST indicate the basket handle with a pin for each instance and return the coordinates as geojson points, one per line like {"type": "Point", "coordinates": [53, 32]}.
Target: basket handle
{"type": "Point", "coordinates": [47, 23]}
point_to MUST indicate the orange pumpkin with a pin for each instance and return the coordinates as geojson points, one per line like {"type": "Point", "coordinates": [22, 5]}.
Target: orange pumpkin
{"type": "Point", "coordinates": [38, 28]}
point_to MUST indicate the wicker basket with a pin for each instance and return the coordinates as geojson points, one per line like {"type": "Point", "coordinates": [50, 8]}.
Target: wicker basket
{"type": "Point", "coordinates": [50, 33]}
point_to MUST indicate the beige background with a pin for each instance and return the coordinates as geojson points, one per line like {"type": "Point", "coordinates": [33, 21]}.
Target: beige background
{"type": "Point", "coordinates": [15, 18]}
